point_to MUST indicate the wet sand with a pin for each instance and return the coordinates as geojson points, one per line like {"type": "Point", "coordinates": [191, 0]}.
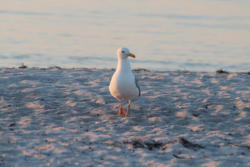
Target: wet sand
{"type": "Point", "coordinates": [66, 117]}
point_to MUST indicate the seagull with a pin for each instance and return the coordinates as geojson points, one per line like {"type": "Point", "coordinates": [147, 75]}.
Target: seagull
{"type": "Point", "coordinates": [124, 85]}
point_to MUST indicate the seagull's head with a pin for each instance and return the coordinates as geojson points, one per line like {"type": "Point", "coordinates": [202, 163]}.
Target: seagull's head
{"type": "Point", "coordinates": [124, 53]}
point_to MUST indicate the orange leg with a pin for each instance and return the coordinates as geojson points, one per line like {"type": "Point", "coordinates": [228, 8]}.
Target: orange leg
{"type": "Point", "coordinates": [121, 110]}
{"type": "Point", "coordinates": [128, 107]}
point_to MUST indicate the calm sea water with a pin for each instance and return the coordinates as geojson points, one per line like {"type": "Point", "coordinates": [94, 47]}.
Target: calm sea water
{"type": "Point", "coordinates": [196, 35]}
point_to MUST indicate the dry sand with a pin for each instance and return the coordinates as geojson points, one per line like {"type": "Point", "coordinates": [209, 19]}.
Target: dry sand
{"type": "Point", "coordinates": [66, 117]}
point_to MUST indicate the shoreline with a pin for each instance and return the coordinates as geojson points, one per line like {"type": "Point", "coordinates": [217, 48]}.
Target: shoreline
{"type": "Point", "coordinates": [66, 117]}
{"type": "Point", "coordinates": [220, 70]}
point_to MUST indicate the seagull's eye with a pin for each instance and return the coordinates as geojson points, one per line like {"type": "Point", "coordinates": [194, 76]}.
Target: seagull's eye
{"type": "Point", "coordinates": [123, 51]}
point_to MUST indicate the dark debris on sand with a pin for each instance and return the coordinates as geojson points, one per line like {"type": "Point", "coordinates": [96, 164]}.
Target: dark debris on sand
{"type": "Point", "coordinates": [153, 145]}
{"type": "Point", "coordinates": [221, 71]}
{"type": "Point", "coordinates": [149, 144]}
{"type": "Point", "coordinates": [190, 145]}
{"type": "Point", "coordinates": [23, 66]}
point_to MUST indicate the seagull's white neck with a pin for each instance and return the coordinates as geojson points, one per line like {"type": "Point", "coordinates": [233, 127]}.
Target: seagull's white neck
{"type": "Point", "coordinates": [123, 65]}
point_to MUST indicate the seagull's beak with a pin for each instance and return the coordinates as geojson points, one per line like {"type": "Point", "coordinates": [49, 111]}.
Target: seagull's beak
{"type": "Point", "coordinates": [131, 55]}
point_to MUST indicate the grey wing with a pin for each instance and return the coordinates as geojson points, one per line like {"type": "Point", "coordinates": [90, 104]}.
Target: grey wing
{"type": "Point", "coordinates": [137, 85]}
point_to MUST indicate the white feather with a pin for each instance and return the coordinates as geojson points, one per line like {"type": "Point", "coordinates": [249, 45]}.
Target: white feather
{"type": "Point", "coordinates": [123, 84]}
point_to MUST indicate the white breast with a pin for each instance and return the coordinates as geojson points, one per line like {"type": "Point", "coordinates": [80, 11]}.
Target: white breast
{"type": "Point", "coordinates": [123, 87]}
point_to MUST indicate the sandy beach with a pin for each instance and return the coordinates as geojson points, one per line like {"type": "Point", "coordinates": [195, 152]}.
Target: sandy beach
{"type": "Point", "coordinates": [66, 117]}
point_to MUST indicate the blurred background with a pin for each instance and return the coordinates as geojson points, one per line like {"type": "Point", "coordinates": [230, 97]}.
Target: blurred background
{"type": "Point", "coordinates": [195, 35]}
